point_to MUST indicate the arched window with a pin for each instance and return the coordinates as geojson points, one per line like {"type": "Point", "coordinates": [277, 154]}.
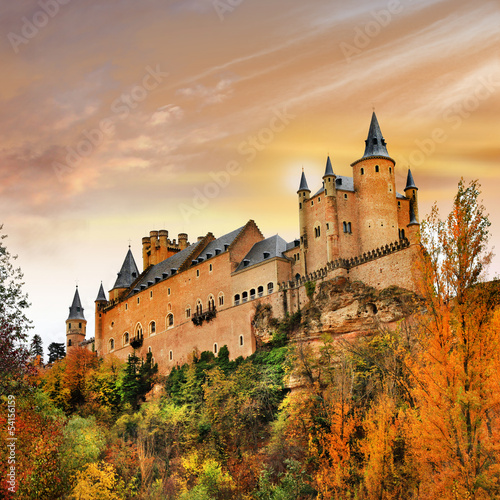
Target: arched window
{"type": "Point", "coordinates": [170, 320]}
{"type": "Point", "coordinates": [349, 230]}
{"type": "Point", "coordinates": [377, 168]}
{"type": "Point", "coordinates": [188, 311]}
{"type": "Point", "coordinates": [237, 299]}
{"type": "Point", "coordinates": [171, 355]}
{"type": "Point", "coordinates": [319, 231]}
{"type": "Point", "coordinates": [152, 328]}
{"type": "Point", "coordinates": [199, 307]}
{"type": "Point", "coordinates": [345, 226]}
{"type": "Point", "coordinates": [126, 338]}
{"type": "Point", "coordinates": [270, 287]}
{"type": "Point", "coordinates": [252, 294]}
{"type": "Point", "coordinates": [260, 291]}
{"type": "Point", "coordinates": [241, 340]}
{"type": "Point", "coordinates": [211, 303]}
{"type": "Point", "coordinates": [69, 342]}
{"type": "Point", "coordinates": [362, 171]}
{"type": "Point", "coordinates": [69, 326]}
{"type": "Point", "coordinates": [221, 299]}
{"type": "Point", "coordinates": [111, 344]}
{"type": "Point", "coordinates": [244, 296]}
{"type": "Point", "coordinates": [138, 331]}
{"type": "Point", "coordinates": [216, 348]}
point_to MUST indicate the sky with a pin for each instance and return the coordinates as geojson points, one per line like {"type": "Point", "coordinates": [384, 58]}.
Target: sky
{"type": "Point", "coordinates": [122, 117]}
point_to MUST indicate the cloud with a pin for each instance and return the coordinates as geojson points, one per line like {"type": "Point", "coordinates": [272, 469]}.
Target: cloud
{"type": "Point", "coordinates": [208, 95]}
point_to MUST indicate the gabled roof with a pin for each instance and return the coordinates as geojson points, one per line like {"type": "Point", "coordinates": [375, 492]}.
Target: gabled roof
{"type": "Point", "coordinates": [410, 183]}
{"type": "Point", "coordinates": [128, 273]}
{"type": "Point", "coordinates": [375, 143]}
{"type": "Point", "coordinates": [328, 168]}
{"type": "Point", "coordinates": [222, 244]}
{"type": "Point", "coordinates": [303, 183]}
{"type": "Point", "coordinates": [76, 309]}
{"type": "Point", "coordinates": [263, 250]}
{"type": "Point", "coordinates": [101, 295]}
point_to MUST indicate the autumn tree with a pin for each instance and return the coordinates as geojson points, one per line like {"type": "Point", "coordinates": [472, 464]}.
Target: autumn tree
{"type": "Point", "coordinates": [14, 324]}
{"type": "Point", "coordinates": [454, 429]}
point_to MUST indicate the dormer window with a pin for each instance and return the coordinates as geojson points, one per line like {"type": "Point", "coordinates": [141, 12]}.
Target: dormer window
{"type": "Point", "coordinates": [218, 251]}
{"type": "Point", "coordinates": [246, 262]}
{"type": "Point", "coordinates": [226, 247]}
{"type": "Point", "coordinates": [374, 140]}
{"type": "Point", "coordinates": [209, 255]}
{"type": "Point", "coordinates": [164, 275]}
{"type": "Point", "coordinates": [173, 271]}
{"type": "Point", "coordinates": [134, 275]}
{"type": "Point", "coordinates": [266, 255]}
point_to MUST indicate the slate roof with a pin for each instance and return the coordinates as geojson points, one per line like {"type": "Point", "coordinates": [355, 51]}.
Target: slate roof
{"type": "Point", "coordinates": [221, 244]}
{"type": "Point", "coordinates": [76, 309]}
{"type": "Point", "coordinates": [303, 183]}
{"type": "Point", "coordinates": [164, 269]}
{"type": "Point", "coordinates": [128, 273]}
{"type": "Point", "coordinates": [342, 183]}
{"type": "Point", "coordinates": [263, 250]}
{"type": "Point", "coordinates": [328, 168]}
{"type": "Point", "coordinates": [293, 244]}
{"type": "Point", "coordinates": [375, 143]}
{"type": "Point", "coordinates": [101, 295]}
{"type": "Point", "coordinates": [410, 183]}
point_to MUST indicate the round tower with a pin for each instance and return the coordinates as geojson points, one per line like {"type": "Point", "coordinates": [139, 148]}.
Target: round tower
{"type": "Point", "coordinates": [76, 324]}
{"type": "Point", "coordinates": [303, 194]}
{"type": "Point", "coordinates": [375, 188]}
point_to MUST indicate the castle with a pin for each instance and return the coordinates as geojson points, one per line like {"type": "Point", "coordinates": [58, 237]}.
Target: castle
{"type": "Point", "coordinates": [201, 296]}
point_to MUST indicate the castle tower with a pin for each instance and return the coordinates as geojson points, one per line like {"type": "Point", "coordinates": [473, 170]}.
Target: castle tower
{"type": "Point", "coordinates": [76, 324]}
{"type": "Point", "coordinates": [412, 195]}
{"type": "Point", "coordinates": [127, 275]}
{"type": "Point", "coordinates": [374, 184]}
{"type": "Point", "coordinates": [304, 194]}
{"type": "Point", "coordinates": [331, 213]}
{"type": "Point", "coordinates": [100, 304]}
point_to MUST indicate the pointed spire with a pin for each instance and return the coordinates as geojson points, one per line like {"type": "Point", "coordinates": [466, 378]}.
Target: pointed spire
{"type": "Point", "coordinates": [303, 183]}
{"type": "Point", "coordinates": [128, 273]}
{"type": "Point", "coordinates": [413, 218]}
{"type": "Point", "coordinates": [375, 143]}
{"type": "Point", "coordinates": [410, 183]}
{"type": "Point", "coordinates": [101, 296]}
{"type": "Point", "coordinates": [328, 168]}
{"type": "Point", "coordinates": [76, 309]}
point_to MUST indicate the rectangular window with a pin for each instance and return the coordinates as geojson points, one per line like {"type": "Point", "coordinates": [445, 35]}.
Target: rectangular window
{"type": "Point", "coordinates": [151, 294]}
{"type": "Point", "coordinates": [168, 291]}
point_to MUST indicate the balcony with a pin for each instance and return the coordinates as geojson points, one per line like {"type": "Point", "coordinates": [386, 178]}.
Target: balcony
{"type": "Point", "coordinates": [207, 316]}
{"type": "Point", "coordinates": [136, 342]}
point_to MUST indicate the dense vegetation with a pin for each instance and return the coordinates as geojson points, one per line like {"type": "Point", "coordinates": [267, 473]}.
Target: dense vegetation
{"type": "Point", "coordinates": [411, 413]}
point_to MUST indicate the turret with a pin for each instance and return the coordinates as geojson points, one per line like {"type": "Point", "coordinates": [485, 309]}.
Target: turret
{"type": "Point", "coordinates": [374, 184]}
{"type": "Point", "coordinates": [100, 304]}
{"type": "Point", "coordinates": [329, 179]}
{"type": "Point", "coordinates": [304, 194]}
{"type": "Point", "coordinates": [412, 195]}
{"type": "Point", "coordinates": [153, 236]}
{"type": "Point", "coordinates": [127, 275]}
{"type": "Point", "coordinates": [183, 240]}
{"type": "Point", "coordinates": [76, 324]}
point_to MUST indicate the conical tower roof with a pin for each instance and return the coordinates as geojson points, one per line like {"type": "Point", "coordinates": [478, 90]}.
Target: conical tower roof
{"type": "Point", "coordinates": [101, 296]}
{"type": "Point", "coordinates": [76, 309]}
{"type": "Point", "coordinates": [303, 183]}
{"type": "Point", "coordinates": [328, 168]}
{"type": "Point", "coordinates": [410, 183]}
{"type": "Point", "coordinates": [128, 273]}
{"type": "Point", "coordinates": [375, 143]}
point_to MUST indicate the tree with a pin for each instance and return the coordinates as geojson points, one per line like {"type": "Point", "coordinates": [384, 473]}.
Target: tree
{"type": "Point", "coordinates": [138, 379]}
{"type": "Point", "coordinates": [56, 351]}
{"type": "Point", "coordinates": [14, 324]}
{"type": "Point", "coordinates": [36, 348]}
{"type": "Point", "coordinates": [454, 429]}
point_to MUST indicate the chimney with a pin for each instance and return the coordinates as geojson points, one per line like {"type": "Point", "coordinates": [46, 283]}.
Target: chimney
{"type": "Point", "coordinates": [183, 240]}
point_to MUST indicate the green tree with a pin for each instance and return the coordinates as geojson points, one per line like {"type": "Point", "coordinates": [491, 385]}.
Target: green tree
{"type": "Point", "coordinates": [138, 380]}
{"type": "Point", "coordinates": [56, 351]}
{"type": "Point", "coordinates": [36, 348]}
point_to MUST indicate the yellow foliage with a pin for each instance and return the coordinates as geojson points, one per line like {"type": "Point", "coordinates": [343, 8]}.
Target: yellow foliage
{"type": "Point", "coordinates": [98, 481]}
